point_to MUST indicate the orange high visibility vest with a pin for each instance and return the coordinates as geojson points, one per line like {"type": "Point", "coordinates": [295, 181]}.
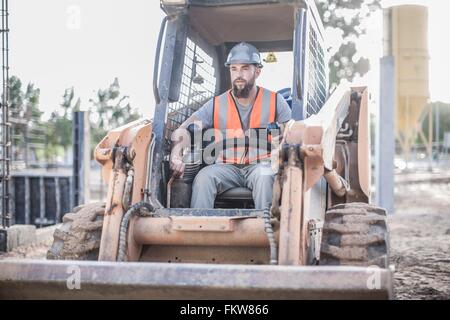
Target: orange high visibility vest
{"type": "Point", "coordinates": [239, 148]}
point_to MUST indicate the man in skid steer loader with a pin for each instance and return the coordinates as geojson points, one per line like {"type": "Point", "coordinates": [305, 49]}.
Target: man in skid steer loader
{"type": "Point", "coordinates": [241, 116]}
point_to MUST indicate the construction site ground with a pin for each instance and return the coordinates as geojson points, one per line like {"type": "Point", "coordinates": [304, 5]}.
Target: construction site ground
{"type": "Point", "coordinates": [420, 236]}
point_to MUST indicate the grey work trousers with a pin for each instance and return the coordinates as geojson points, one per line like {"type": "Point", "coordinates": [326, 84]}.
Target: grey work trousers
{"type": "Point", "coordinates": [218, 178]}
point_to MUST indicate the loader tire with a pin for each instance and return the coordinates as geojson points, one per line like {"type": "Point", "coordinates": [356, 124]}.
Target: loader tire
{"type": "Point", "coordinates": [79, 236]}
{"type": "Point", "coordinates": [355, 234]}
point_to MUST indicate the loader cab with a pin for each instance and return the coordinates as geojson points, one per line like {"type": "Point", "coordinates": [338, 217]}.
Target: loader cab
{"type": "Point", "coordinates": [195, 39]}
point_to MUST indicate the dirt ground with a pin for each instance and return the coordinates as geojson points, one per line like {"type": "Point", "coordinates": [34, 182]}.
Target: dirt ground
{"type": "Point", "coordinates": [34, 251]}
{"type": "Point", "coordinates": [420, 237]}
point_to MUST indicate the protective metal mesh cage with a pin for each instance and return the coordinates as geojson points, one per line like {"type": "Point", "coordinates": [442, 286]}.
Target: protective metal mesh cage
{"type": "Point", "coordinates": [198, 85]}
{"type": "Point", "coordinates": [317, 86]}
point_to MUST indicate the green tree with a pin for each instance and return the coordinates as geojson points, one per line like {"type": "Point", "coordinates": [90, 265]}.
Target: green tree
{"type": "Point", "coordinates": [111, 110]}
{"type": "Point", "coordinates": [27, 133]}
{"type": "Point", "coordinates": [346, 16]}
{"type": "Point", "coordinates": [59, 126]}
{"type": "Point", "coordinates": [16, 97]}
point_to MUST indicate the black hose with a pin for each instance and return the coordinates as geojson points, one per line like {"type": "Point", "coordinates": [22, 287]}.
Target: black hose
{"type": "Point", "coordinates": [270, 236]}
{"type": "Point", "coordinates": [133, 210]}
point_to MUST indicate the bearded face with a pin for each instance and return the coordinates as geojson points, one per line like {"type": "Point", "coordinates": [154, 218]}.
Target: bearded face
{"type": "Point", "coordinates": [243, 78]}
{"type": "Point", "coordinates": [241, 88]}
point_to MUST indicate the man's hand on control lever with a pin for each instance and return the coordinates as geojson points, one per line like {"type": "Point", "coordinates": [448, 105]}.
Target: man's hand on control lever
{"type": "Point", "coordinates": [181, 139]}
{"type": "Point", "coordinates": [177, 167]}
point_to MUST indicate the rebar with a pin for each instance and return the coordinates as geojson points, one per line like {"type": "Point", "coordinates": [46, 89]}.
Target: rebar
{"type": "Point", "coordinates": [5, 126]}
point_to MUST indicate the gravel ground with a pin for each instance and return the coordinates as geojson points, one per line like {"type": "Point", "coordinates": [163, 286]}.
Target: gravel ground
{"type": "Point", "coordinates": [420, 239]}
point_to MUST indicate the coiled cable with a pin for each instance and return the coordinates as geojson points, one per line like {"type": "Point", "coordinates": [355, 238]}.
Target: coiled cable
{"type": "Point", "coordinates": [270, 235]}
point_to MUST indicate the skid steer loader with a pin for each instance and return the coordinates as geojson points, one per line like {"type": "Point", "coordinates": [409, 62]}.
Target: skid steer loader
{"type": "Point", "coordinates": [320, 239]}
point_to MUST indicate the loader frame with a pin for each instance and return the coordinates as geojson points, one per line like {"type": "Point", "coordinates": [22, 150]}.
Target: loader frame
{"type": "Point", "coordinates": [304, 158]}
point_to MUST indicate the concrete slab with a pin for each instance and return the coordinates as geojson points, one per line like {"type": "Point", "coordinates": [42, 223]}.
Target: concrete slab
{"type": "Point", "coordinates": [17, 235]}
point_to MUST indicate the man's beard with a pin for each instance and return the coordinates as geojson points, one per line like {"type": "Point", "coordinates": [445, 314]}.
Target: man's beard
{"type": "Point", "coordinates": [245, 91]}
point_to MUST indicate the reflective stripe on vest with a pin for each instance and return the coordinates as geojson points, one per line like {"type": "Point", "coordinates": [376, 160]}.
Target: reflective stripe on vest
{"type": "Point", "coordinates": [227, 124]}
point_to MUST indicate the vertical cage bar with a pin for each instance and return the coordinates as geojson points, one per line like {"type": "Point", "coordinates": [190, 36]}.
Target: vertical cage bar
{"type": "Point", "coordinates": [42, 215]}
{"type": "Point", "coordinates": [58, 201]}
{"type": "Point", "coordinates": [81, 158]}
{"type": "Point", "coordinates": [27, 201]}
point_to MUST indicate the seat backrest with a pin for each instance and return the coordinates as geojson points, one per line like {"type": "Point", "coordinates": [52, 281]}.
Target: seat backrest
{"type": "Point", "coordinates": [287, 95]}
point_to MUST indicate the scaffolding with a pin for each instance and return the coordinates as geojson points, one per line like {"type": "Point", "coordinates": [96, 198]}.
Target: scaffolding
{"type": "Point", "coordinates": [5, 138]}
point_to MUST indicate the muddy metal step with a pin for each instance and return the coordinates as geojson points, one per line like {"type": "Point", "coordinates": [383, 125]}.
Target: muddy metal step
{"type": "Point", "coordinates": [42, 279]}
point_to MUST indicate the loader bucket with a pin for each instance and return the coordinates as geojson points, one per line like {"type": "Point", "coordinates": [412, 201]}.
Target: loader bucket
{"type": "Point", "coordinates": [41, 279]}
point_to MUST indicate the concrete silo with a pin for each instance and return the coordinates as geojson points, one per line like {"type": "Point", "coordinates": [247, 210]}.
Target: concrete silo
{"type": "Point", "coordinates": [406, 40]}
